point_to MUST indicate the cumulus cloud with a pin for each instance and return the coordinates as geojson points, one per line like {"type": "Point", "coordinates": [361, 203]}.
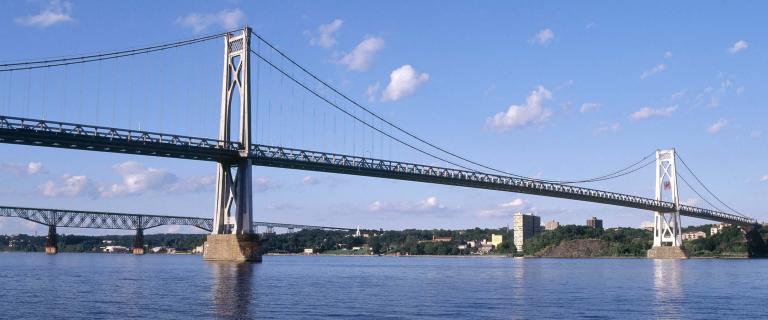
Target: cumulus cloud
{"type": "Point", "coordinates": [22, 169]}
{"type": "Point", "coordinates": [137, 179]}
{"type": "Point", "coordinates": [668, 54]}
{"type": "Point", "coordinates": [504, 210]}
{"type": "Point", "coordinates": [607, 128]}
{"type": "Point", "coordinates": [309, 181]}
{"type": "Point", "coordinates": [429, 205]}
{"type": "Point", "coordinates": [199, 22]}
{"type": "Point", "coordinates": [324, 36]}
{"type": "Point", "coordinates": [720, 124]}
{"type": "Point", "coordinates": [692, 202]}
{"type": "Point", "coordinates": [361, 57]}
{"type": "Point", "coordinates": [739, 46]}
{"type": "Point", "coordinates": [403, 82]}
{"type": "Point", "coordinates": [55, 12]}
{"type": "Point", "coordinates": [518, 116]}
{"type": "Point", "coordinates": [68, 186]}
{"type": "Point", "coordinates": [652, 71]}
{"type": "Point", "coordinates": [193, 184]}
{"type": "Point", "coordinates": [589, 107]}
{"type": "Point", "coordinates": [756, 134]}
{"type": "Point", "coordinates": [648, 112]}
{"type": "Point", "coordinates": [543, 37]}
{"type": "Point", "coordinates": [372, 91]}
{"type": "Point", "coordinates": [263, 184]}
{"type": "Point", "coordinates": [764, 178]}
{"type": "Point", "coordinates": [740, 91]}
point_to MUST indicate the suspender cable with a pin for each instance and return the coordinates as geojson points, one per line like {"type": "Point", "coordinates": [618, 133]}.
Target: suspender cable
{"type": "Point", "coordinates": [705, 187]}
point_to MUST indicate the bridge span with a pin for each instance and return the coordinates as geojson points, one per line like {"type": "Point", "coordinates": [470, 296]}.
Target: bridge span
{"type": "Point", "coordinates": [235, 153]}
{"type": "Point", "coordinates": [54, 218]}
{"type": "Point", "coordinates": [37, 132]}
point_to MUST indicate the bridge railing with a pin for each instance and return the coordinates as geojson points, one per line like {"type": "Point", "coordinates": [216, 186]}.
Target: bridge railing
{"type": "Point", "coordinates": [128, 135]}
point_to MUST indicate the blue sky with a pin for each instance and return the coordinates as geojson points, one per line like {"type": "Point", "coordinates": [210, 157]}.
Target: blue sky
{"type": "Point", "coordinates": [560, 90]}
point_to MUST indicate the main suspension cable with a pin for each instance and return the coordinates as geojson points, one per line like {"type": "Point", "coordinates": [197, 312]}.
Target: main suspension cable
{"type": "Point", "coordinates": [705, 187]}
{"type": "Point", "coordinates": [36, 64]}
{"type": "Point", "coordinates": [312, 75]}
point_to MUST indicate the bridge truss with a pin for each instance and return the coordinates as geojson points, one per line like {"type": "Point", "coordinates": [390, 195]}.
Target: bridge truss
{"type": "Point", "coordinates": [47, 133]}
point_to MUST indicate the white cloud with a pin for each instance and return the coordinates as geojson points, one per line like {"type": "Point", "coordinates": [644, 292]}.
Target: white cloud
{"type": "Point", "coordinates": [227, 19]}
{"type": "Point", "coordinates": [589, 106]}
{"type": "Point", "coordinates": [263, 184]}
{"type": "Point", "coordinates": [193, 184]}
{"type": "Point", "coordinates": [647, 224]}
{"type": "Point", "coordinates": [372, 91]}
{"type": "Point", "coordinates": [137, 179]}
{"type": "Point", "coordinates": [691, 202]}
{"type": "Point", "coordinates": [668, 54]}
{"type": "Point", "coordinates": [309, 181]}
{"type": "Point", "coordinates": [22, 169]}
{"type": "Point", "coordinates": [543, 37]}
{"type": "Point", "coordinates": [429, 205]}
{"type": "Point", "coordinates": [717, 126]}
{"type": "Point", "coordinates": [739, 46]}
{"type": "Point", "coordinates": [648, 112]}
{"type": "Point", "coordinates": [678, 95]}
{"type": "Point", "coordinates": [740, 91]}
{"type": "Point", "coordinates": [652, 71]}
{"type": "Point", "coordinates": [55, 12]}
{"type": "Point", "coordinates": [504, 210]}
{"type": "Point", "coordinates": [756, 134]}
{"type": "Point", "coordinates": [68, 186]}
{"type": "Point", "coordinates": [764, 178]}
{"type": "Point", "coordinates": [325, 34]}
{"type": "Point", "coordinates": [606, 128]}
{"type": "Point", "coordinates": [518, 116]}
{"type": "Point", "coordinates": [361, 57]}
{"type": "Point", "coordinates": [403, 82]}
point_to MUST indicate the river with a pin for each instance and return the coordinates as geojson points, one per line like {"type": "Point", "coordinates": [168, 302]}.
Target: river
{"type": "Point", "coordinates": [121, 286]}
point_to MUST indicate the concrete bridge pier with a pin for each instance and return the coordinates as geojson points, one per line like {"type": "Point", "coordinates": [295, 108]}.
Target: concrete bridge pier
{"type": "Point", "coordinates": [51, 241]}
{"type": "Point", "coordinates": [138, 242]}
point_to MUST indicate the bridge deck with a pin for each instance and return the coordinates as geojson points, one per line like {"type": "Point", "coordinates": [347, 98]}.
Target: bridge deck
{"type": "Point", "coordinates": [127, 221]}
{"type": "Point", "coordinates": [76, 136]}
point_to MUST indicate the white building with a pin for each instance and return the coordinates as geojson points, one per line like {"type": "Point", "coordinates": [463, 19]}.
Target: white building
{"type": "Point", "coordinates": [694, 235]}
{"type": "Point", "coordinates": [114, 249]}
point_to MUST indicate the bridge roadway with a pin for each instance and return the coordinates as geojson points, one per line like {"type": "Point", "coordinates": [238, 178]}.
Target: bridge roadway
{"type": "Point", "coordinates": [35, 132]}
{"type": "Point", "coordinates": [126, 221]}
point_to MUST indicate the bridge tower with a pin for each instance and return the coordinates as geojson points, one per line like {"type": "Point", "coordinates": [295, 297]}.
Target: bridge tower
{"type": "Point", "coordinates": [667, 235]}
{"type": "Point", "coordinates": [232, 237]}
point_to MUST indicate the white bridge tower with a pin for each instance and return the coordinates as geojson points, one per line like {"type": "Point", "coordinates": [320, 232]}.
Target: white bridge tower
{"type": "Point", "coordinates": [232, 237]}
{"type": "Point", "coordinates": [667, 235]}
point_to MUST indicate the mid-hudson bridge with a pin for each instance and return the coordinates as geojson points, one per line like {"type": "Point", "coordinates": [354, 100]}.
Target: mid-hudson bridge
{"type": "Point", "coordinates": [234, 153]}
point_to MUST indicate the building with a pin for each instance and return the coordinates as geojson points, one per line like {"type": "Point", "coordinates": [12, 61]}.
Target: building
{"type": "Point", "coordinates": [496, 240]}
{"type": "Point", "coordinates": [437, 239]}
{"type": "Point", "coordinates": [525, 226]}
{"type": "Point", "coordinates": [717, 228]}
{"type": "Point", "coordinates": [309, 251]}
{"type": "Point", "coordinates": [595, 223]}
{"type": "Point", "coordinates": [694, 235]}
{"type": "Point", "coordinates": [115, 249]}
{"type": "Point", "coordinates": [551, 225]}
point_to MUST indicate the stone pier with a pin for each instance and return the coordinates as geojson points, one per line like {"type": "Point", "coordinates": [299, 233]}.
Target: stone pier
{"type": "Point", "coordinates": [667, 252]}
{"type": "Point", "coordinates": [138, 242]}
{"type": "Point", "coordinates": [232, 247]}
{"type": "Point", "coordinates": [51, 241]}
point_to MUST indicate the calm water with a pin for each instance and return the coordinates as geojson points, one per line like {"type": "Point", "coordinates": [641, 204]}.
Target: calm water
{"type": "Point", "coordinates": [100, 286]}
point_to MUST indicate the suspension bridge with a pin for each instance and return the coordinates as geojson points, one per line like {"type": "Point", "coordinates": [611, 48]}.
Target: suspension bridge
{"type": "Point", "coordinates": [302, 122]}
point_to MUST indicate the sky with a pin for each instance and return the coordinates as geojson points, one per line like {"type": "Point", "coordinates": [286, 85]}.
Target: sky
{"type": "Point", "coordinates": [556, 90]}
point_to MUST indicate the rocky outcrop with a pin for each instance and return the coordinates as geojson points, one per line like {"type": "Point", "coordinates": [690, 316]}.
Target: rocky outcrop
{"type": "Point", "coordinates": [580, 248]}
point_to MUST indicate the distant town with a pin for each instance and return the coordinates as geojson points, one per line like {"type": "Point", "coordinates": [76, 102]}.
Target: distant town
{"type": "Point", "coordinates": [527, 237]}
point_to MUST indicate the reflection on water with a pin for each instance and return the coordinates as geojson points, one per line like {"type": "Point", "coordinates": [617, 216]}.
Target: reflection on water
{"type": "Point", "coordinates": [232, 289]}
{"type": "Point", "coordinates": [667, 288]}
